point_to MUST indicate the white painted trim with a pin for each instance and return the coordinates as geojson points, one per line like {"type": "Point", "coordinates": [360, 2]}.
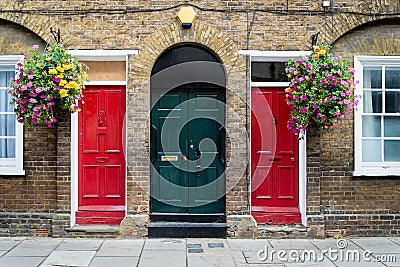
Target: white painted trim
{"type": "Point", "coordinates": [269, 84]}
{"type": "Point", "coordinates": [380, 169]}
{"type": "Point", "coordinates": [303, 179]}
{"type": "Point", "coordinates": [284, 56]}
{"type": "Point", "coordinates": [14, 166]}
{"type": "Point", "coordinates": [105, 83]}
{"type": "Point", "coordinates": [74, 166]}
{"type": "Point", "coordinates": [273, 56]}
{"type": "Point", "coordinates": [94, 55]}
{"type": "Point", "coordinates": [102, 55]}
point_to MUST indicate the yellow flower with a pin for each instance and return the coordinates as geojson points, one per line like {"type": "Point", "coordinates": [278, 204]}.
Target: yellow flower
{"type": "Point", "coordinates": [289, 76]}
{"type": "Point", "coordinates": [38, 65]}
{"type": "Point", "coordinates": [72, 84]}
{"type": "Point", "coordinates": [85, 77]}
{"type": "Point", "coordinates": [315, 56]}
{"type": "Point", "coordinates": [63, 93]}
{"type": "Point", "coordinates": [60, 69]}
{"type": "Point", "coordinates": [296, 72]}
{"type": "Point", "coordinates": [66, 67]}
{"type": "Point", "coordinates": [316, 48]}
{"type": "Point", "coordinates": [62, 83]}
{"type": "Point", "coordinates": [288, 90]}
{"type": "Point", "coordinates": [60, 76]}
{"type": "Point", "coordinates": [322, 52]}
{"type": "Point", "coordinates": [52, 71]}
{"type": "Point", "coordinates": [47, 58]}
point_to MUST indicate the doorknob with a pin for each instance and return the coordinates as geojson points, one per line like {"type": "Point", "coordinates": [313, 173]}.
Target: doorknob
{"type": "Point", "coordinates": [292, 159]}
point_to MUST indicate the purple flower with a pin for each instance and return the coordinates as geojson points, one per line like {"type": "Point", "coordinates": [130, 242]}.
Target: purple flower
{"type": "Point", "coordinates": [35, 47]}
{"type": "Point", "coordinates": [303, 97]}
{"type": "Point", "coordinates": [303, 110]}
{"type": "Point", "coordinates": [54, 120]}
{"type": "Point", "coordinates": [32, 100]}
{"type": "Point", "coordinates": [56, 80]}
{"type": "Point", "coordinates": [38, 90]}
{"type": "Point", "coordinates": [52, 103]}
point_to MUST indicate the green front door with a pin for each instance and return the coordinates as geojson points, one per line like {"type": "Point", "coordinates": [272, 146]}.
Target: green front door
{"type": "Point", "coordinates": [188, 150]}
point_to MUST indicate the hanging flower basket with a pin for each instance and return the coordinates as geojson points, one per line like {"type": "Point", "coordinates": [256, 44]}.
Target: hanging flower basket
{"type": "Point", "coordinates": [321, 90]}
{"type": "Point", "coordinates": [47, 80]}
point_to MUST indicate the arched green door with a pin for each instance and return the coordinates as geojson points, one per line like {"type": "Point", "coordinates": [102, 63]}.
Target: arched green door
{"type": "Point", "coordinates": [187, 147]}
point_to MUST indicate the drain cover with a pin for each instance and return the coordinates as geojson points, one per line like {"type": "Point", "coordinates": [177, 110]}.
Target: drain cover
{"type": "Point", "coordinates": [215, 245]}
{"type": "Point", "coordinates": [195, 250]}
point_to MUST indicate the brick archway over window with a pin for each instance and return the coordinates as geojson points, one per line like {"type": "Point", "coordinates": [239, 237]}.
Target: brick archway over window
{"type": "Point", "coordinates": [345, 22]}
{"type": "Point", "coordinates": [38, 24]}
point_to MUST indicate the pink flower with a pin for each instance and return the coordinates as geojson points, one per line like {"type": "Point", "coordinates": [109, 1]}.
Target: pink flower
{"type": "Point", "coordinates": [35, 47]}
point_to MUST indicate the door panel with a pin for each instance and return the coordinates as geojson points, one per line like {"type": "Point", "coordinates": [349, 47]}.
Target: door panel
{"type": "Point", "coordinates": [101, 182]}
{"type": "Point", "coordinates": [274, 159]}
{"type": "Point", "coordinates": [185, 137]}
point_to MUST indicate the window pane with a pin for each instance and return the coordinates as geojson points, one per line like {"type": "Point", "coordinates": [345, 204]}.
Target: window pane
{"type": "Point", "coordinates": [5, 99]}
{"type": "Point", "coordinates": [5, 78]}
{"type": "Point", "coordinates": [268, 72]}
{"type": "Point", "coordinates": [371, 126]}
{"type": "Point", "coordinates": [392, 126]}
{"type": "Point", "coordinates": [371, 151]}
{"type": "Point", "coordinates": [7, 124]}
{"type": "Point", "coordinates": [392, 102]}
{"type": "Point", "coordinates": [392, 151]}
{"type": "Point", "coordinates": [372, 101]}
{"type": "Point", "coordinates": [7, 148]}
{"type": "Point", "coordinates": [372, 77]}
{"type": "Point", "coordinates": [392, 78]}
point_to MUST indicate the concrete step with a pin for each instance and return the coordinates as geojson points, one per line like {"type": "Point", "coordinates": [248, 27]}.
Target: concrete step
{"type": "Point", "coordinates": [186, 230]}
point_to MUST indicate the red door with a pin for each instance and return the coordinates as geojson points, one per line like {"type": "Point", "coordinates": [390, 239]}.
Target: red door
{"type": "Point", "coordinates": [101, 184]}
{"type": "Point", "coordinates": [274, 159]}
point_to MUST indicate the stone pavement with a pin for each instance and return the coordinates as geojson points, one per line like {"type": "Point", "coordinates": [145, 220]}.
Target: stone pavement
{"type": "Point", "coordinates": [28, 252]}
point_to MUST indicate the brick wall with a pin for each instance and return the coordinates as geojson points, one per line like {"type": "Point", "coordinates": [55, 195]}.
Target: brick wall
{"type": "Point", "coordinates": [359, 205]}
{"type": "Point", "coordinates": [331, 187]}
{"type": "Point", "coordinates": [36, 191]}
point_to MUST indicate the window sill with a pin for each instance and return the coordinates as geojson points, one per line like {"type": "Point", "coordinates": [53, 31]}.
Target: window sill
{"type": "Point", "coordinates": [377, 172]}
{"type": "Point", "coordinates": [12, 172]}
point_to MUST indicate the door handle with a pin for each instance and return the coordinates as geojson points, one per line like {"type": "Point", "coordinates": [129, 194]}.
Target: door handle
{"type": "Point", "coordinates": [292, 159]}
{"type": "Point", "coordinates": [221, 144]}
{"type": "Point", "coordinates": [153, 143]}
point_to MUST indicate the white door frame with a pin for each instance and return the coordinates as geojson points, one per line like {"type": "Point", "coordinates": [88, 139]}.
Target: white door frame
{"type": "Point", "coordinates": [93, 55]}
{"type": "Point", "coordinates": [284, 56]}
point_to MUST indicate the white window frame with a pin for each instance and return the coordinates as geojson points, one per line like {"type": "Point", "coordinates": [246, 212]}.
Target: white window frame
{"type": "Point", "coordinates": [369, 168]}
{"type": "Point", "coordinates": [14, 166]}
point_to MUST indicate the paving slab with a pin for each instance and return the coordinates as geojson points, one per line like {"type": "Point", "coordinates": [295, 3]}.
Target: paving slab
{"type": "Point", "coordinates": [79, 244]}
{"type": "Point", "coordinates": [68, 258]}
{"type": "Point", "coordinates": [20, 261]}
{"type": "Point", "coordinates": [248, 244]}
{"type": "Point", "coordinates": [395, 240]}
{"type": "Point", "coordinates": [165, 244]}
{"type": "Point", "coordinates": [291, 244]}
{"type": "Point", "coordinates": [377, 245]}
{"type": "Point", "coordinates": [205, 260]}
{"type": "Point", "coordinates": [125, 248]}
{"type": "Point", "coordinates": [34, 247]}
{"type": "Point", "coordinates": [114, 261]}
{"type": "Point", "coordinates": [8, 244]}
{"type": "Point", "coordinates": [163, 258]}
{"type": "Point", "coordinates": [392, 260]}
{"type": "Point", "coordinates": [325, 244]}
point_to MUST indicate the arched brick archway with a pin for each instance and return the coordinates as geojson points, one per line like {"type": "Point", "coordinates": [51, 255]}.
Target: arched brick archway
{"type": "Point", "coordinates": [140, 68]}
{"type": "Point", "coordinates": [345, 22]}
{"type": "Point", "coordinates": [38, 24]}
